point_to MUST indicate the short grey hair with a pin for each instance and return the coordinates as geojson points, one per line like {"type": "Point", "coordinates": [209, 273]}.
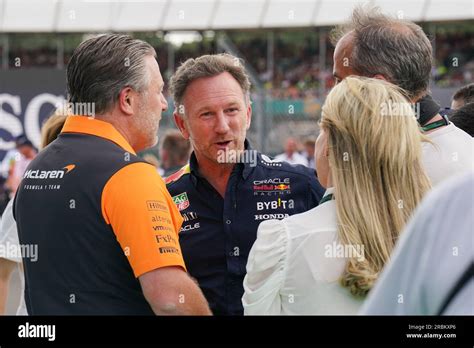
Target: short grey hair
{"type": "Point", "coordinates": [397, 49]}
{"type": "Point", "coordinates": [102, 66]}
{"type": "Point", "coordinates": [208, 66]}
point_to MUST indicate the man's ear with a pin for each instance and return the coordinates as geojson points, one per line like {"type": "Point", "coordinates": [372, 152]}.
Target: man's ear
{"type": "Point", "coordinates": [181, 124]}
{"type": "Point", "coordinates": [249, 114]}
{"type": "Point", "coordinates": [326, 147]}
{"type": "Point", "coordinates": [127, 100]}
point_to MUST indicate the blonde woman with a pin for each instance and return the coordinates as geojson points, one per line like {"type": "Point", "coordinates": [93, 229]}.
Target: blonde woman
{"type": "Point", "coordinates": [326, 260]}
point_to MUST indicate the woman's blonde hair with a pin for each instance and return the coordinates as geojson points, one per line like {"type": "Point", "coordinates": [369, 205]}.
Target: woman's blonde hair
{"type": "Point", "coordinates": [374, 146]}
{"type": "Point", "coordinates": [52, 127]}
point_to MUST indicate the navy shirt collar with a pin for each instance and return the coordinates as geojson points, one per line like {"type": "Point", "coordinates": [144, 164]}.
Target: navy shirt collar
{"type": "Point", "coordinates": [249, 166]}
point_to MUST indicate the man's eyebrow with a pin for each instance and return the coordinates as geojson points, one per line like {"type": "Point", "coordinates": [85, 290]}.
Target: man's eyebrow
{"type": "Point", "coordinates": [209, 108]}
{"type": "Point", "coordinates": [201, 109]}
{"type": "Point", "coordinates": [232, 103]}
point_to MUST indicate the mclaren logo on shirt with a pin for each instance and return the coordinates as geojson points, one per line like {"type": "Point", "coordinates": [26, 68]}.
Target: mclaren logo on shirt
{"type": "Point", "coordinates": [49, 174]}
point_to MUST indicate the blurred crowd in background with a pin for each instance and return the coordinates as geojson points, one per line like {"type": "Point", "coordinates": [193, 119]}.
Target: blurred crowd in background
{"type": "Point", "coordinates": [298, 75]}
{"type": "Point", "coordinates": [297, 71]}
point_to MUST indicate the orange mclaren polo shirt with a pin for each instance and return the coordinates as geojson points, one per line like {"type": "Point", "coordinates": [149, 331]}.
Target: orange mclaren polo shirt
{"type": "Point", "coordinates": [101, 217]}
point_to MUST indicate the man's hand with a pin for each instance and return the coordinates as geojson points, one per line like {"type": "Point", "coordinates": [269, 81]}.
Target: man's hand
{"type": "Point", "coordinates": [171, 291]}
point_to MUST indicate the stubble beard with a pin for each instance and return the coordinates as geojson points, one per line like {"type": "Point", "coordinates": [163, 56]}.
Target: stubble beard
{"type": "Point", "coordinates": [149, 125]}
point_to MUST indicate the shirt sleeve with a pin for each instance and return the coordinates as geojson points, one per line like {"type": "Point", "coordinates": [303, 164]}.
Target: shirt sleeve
{"type": "Point", "coordinates": [145, 220]}
{"type": "Point", "coordinates": [9, 235]}
{"type": "Point", "coordinates": [266, 270]}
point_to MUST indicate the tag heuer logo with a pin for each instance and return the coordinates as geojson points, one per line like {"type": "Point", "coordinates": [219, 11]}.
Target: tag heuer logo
{"type": "Point", "coordinates": [181, 201]}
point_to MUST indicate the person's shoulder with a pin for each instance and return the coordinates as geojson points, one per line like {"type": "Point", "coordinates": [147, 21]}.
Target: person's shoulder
{"type": "Point", "coordinates": [460, 133]}
{"type": "Point", "coordinates": [449, 133]}
{"type": "Point", "coordinates": [276, 166]}
{"type": "Point", "coordinates": [447, 208]}
{"type": "Point", "coordinates": [458, 187]}
{"type": "Point", "coordinates": [449, 140]}
{"type": "Point", "coordinates": [320, 219]}
{"type": "Point", "coordinates": [136, 174]}
{"type": "Point", "coordinates": [177, 177]}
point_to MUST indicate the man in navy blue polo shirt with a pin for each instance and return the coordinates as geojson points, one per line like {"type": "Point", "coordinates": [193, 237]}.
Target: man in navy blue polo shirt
{"type": "Point", "coordinates": [227, 189]}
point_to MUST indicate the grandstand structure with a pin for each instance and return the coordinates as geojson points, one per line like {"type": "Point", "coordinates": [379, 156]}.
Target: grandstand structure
{"type": "Point", "coordinates": [155, 15]}
{"type": "Point", "coordinates": [283, 43]}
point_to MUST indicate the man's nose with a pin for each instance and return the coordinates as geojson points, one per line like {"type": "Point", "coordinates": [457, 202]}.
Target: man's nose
{"type": "Point", "coordinates": [164, 103]}
{"type": "Point", "coordinates": [222, 123]}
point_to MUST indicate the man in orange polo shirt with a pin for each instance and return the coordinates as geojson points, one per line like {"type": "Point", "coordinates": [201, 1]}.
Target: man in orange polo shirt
{"type": "Point", "coordinates": [104, 224]}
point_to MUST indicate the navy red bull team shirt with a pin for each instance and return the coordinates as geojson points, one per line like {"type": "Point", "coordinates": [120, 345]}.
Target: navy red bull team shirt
{"type": "Point", "coordinates": [218, 233]}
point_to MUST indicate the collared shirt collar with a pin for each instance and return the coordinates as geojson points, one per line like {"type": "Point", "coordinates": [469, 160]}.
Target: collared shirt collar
{"type": "Point", "coordinates": [92, 126]}
{"type": "Point", "coordinates": [328, 196]}
{"type": "Point", "coordinates": [194, 168]}
{"type": "Point", "coordinates": [329, 191]}
{"type": "Point", "coordinates": [247, 166]}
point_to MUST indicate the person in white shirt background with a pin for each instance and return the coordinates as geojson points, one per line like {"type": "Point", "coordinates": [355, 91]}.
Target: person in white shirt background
{"type": "Point", "coordinates": [5, 164]}
{"type": "Point", "coordinates": [326, 260]}
{"type": "Point", "coordinates": [375, 45]}
{"type": "Point", "coordinates": [309, 152]}
{"type": "Point", "coordinates": [18, 164]}
{"type": "Point", "coordinates": [9, 233]}
{"type": "Point", "coordinates": [10, 260]}
{"type": "Point", "coordinates": [431, 269]}
{"type": "Point", "coordinates": [291, 154]}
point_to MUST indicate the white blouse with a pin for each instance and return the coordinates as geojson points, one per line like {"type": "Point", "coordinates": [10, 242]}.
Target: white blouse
{"type": "Point", "coordinates": [294, 267]}
{"type": "Point", "coordinates": [9, 238]}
